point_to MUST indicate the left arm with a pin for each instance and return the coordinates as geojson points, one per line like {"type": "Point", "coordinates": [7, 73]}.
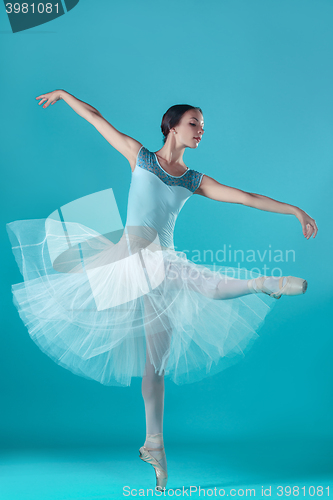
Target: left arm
{"type": "Point", "coordinates": [212, 189]}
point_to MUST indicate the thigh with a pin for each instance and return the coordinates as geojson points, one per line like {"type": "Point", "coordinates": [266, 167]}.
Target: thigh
{"type": "Point", "coordinates": [158, 332]}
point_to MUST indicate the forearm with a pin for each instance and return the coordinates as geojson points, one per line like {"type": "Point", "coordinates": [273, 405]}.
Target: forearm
{"type": "Point", "coordinates": [81, 108]}
{"type": "Point", "coordinates": [264, 203]}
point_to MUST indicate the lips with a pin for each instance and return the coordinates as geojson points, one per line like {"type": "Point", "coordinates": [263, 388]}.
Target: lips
{"type": "Point", "coordinates": [197, 138]}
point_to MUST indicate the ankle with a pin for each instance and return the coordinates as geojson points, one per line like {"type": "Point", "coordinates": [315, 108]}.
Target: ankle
{"type": "Point", "coordinates": [154, 440]}
{"type": "Point", "coordinates": [252, 285]}
{"type": "Point", "coordinates": [271, 283]}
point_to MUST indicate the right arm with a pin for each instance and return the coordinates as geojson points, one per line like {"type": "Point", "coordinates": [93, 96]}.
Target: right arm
{"type": "Point", "coordinates": [126, 145]}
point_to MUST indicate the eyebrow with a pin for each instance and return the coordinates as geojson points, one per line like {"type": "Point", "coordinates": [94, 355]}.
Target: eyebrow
{"type": "Point", "coordinates": [194, 118]}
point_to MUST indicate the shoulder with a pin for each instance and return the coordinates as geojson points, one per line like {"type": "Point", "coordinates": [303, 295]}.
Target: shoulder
{"type": "Point", "coordinates": [196, 178]}
{"type": "Point", "coordinates": [143, 158]}
{"type": "Point", "coordinates": [144, 154]}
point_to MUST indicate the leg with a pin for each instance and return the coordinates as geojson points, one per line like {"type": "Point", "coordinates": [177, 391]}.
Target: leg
{"type": "Point", "coordinates": [153, 390]}
{"type": "Point", "coordinates": [153, 395]}
{"type": "Point", "coordinates": [211, 284]}
{"type": "Point", "coordinates": [214, 285]}
{"type": "Point", "coordinates": [230, 288]}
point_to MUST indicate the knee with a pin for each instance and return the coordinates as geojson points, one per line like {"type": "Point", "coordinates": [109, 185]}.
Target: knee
{"type": "Point", "coordinates": [217, 293]}
{"type": "Point", "coordinates": [152, 384]}
{"type": "Point", "coordinates": [224, 290]}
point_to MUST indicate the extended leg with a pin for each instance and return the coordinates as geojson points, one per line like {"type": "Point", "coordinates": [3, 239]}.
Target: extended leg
{"type": "Point", "coordinates": [229, 288]}
{"type": "Point", "coordinates": [213, 284]}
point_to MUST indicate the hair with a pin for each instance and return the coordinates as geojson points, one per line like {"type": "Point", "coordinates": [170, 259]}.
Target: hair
{"type": "Point", "coordinates": [173, 116]}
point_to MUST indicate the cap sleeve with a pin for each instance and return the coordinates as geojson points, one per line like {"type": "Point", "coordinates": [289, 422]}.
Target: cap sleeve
{"type": "Point", "coordinates": [196, 178]}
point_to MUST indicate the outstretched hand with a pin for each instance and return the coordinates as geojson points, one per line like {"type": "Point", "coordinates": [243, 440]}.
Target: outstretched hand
{"type": "Point", "coordinates": [309, 225]}
{"type": "Point", "coordinates": [50, 98]}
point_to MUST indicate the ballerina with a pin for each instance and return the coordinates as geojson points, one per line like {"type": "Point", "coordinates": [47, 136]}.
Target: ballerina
{"type": "Point", "coordinates": [152, 313]}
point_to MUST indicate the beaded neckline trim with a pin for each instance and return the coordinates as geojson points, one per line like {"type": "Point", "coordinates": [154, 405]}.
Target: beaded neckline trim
{"type": "Point", "coordinates": [175, 176]}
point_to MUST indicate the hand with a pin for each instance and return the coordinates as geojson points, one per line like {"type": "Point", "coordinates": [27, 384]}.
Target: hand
{"type": "Point", "coordinates": [50, 97]}
{"type": "Point", "coordinates": [309, 225]}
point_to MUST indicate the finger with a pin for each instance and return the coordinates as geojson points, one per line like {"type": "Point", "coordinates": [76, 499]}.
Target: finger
{"type": "Point", "coordinates": [316, 229]}
{"type": "Point", "coordinates": [43, 100]}
{"type": "Point", "coordinates": [308, 232]}
{"type": "Point", "coordinates": [46, 104]}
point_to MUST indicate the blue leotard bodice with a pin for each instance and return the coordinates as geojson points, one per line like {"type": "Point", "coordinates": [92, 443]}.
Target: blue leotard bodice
{"type": "Point", "coordinates": [156, 197]}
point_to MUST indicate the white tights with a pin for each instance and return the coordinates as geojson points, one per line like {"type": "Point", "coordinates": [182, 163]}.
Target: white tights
{"type": "Point", "coordinates": [153, 395]}
{"type": "Point", "coordinates": [214, 285]}
{"type": "Point", "coordinates": [232, 288]}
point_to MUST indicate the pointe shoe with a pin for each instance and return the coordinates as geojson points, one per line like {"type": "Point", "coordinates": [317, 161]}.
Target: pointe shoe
{"type": "Point", "coordinates": [161, 474]}
{"type": "Point", "coordinates": [293, 286]}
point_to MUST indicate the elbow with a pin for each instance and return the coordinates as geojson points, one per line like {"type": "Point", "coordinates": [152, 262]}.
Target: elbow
{"type": "Point", "coordinates": [94, 117]}
{"type": "Point", "coordinates": [96, 112]}
{"type": "Point", "coordinates": [248, 199]}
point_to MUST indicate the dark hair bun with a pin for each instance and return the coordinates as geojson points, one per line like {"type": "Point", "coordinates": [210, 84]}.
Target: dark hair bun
{"type": "Point", "coordinates": [173, 116]}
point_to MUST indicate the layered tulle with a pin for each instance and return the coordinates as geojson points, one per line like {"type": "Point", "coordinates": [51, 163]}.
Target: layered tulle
{"type": "Point", "coordinates": [99, 305]}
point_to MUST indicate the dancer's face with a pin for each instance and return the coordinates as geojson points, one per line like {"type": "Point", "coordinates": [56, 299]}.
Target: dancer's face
{"type": "Point", "coordinates": [191, 126]}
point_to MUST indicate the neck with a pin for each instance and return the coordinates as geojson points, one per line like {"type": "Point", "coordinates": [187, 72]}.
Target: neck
{"type": "Point", "coordinates": [171, 153]}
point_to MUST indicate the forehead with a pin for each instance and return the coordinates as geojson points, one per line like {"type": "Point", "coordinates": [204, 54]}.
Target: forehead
{"type": "Point", "coordinates": [194, 114]}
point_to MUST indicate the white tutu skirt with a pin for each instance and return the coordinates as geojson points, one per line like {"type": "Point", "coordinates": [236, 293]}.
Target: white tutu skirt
{"type": "Point", "coordinates": [103, 309]}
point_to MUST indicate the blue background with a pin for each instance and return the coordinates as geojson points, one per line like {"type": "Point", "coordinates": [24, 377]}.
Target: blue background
{"type": "Point", "coordinates": [261, 72]}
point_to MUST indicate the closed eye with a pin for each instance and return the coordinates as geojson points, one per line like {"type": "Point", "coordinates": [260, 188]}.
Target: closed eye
{"type": "Point", "coordinates": [194, 124]}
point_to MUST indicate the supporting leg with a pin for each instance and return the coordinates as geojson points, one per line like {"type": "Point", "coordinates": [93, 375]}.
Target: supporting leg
{"type": "Point", "coordinates": [153, 389]}
{"type": "Point", "coordinates": [153, 395]}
